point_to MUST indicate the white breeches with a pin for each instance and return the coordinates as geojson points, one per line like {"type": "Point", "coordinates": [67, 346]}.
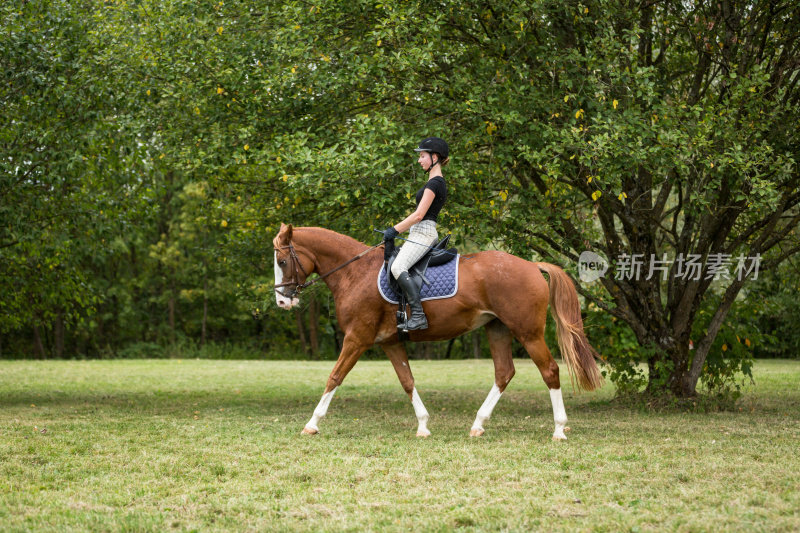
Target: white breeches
{"type": "Point", "coordinates": [421, 236]}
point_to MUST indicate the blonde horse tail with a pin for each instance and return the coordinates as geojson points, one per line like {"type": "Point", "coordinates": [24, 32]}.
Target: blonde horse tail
{"type": "Point", "coordinates": [575, 348]}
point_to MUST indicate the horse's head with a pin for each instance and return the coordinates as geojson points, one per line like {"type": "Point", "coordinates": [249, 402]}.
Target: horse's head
{"type": "Point", "coordinates": [291, 269]}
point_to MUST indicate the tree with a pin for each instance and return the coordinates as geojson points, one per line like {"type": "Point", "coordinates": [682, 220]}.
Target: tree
{"type": "Point", "coordinates": [674, 126]}
{"type": "Point", "coordinates": [65, 162]}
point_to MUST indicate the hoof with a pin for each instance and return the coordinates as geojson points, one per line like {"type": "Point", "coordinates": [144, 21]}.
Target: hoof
{"type": "Point", "coordinates": [476, 432]}
{"type": "Point", "coordinates": [424, 434]}
{"type": "Point", "coordinates": [561, 437]}
{"type": "Point", "coordinates": [309, 431]}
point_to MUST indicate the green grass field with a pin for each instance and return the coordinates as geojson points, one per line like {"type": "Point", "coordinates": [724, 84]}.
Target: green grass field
{"type": "Point", "coordinates": [212, 445]}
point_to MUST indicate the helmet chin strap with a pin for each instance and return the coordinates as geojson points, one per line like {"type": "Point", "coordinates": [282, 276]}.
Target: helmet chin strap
{"type": "Point", "coordinates": [432, 163]}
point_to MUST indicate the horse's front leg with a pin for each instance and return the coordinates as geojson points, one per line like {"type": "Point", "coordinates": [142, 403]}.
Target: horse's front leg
{"type": "Point", "coordinates": [399, 358]}
{"type": "Point", "coordinates": [351, 351]}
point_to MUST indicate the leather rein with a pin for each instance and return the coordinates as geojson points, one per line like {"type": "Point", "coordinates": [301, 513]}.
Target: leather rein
{"type": "Point", "coordinates": [297, 267]}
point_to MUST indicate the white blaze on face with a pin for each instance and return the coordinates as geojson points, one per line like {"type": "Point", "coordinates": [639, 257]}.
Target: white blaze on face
{"type": "Point", "coordinates": [283, 301]}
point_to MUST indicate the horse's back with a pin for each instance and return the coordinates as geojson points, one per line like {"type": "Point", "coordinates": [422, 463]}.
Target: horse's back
{"type": "Point", "coordinates": [508, 285]}
{"type": "Point", "coordinates": [501, 269]}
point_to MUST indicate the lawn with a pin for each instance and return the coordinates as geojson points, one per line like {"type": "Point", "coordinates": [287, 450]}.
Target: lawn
{"type": "Point", "coordinates": [156, 445]}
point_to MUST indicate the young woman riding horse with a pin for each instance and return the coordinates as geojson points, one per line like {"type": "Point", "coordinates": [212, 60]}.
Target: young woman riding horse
{"type": "Point", "coordinates": [506, 294]}
{"type": "Point", "coordinates": [433, 155]}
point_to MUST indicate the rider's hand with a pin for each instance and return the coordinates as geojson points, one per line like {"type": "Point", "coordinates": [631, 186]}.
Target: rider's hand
{"type": "Point", "coordinates": [388, 250]}
{"type": "Point", "coordinates": [390, 233]}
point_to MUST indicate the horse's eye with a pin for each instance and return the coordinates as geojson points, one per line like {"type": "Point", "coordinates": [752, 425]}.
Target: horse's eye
{"type": "Point", "coordinates": [282, 263]}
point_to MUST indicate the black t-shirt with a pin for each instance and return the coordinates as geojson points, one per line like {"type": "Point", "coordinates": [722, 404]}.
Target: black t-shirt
{"type": "Point", "coordinates": [439, 188]}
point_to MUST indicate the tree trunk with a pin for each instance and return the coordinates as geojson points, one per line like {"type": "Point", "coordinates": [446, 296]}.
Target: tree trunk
{"type": "Point", "coordinates": [205, 292]}
{"type": "Point", "coordinates": [673, 352]}
{"type": "Point", "coordinates": [58, 335]}
{"type": "Point", "coordinates": [265, 334]}
{"type": "Point", "coordinates": [691, 377]}
{"type": "Point", "coordinates": [171, 311]}
{"type": "Point", "coordinates": [313, 327]}
{"type": "Point", "coordinates": [96, 340]}
{"type": "Point", "coordinates": [205, 310]}
{"type": "Point", "coordinates": [449, 348]}
{"type": "Point", "coordinates": [37, 341]}
{"type": "Point", "coordinates": [669, 366]}
{"type": "Point", "coordinates": [426, 350]}
{"type": "Point", "coordinates": [336, 341]}
{"type": "Point", "coordinates": [476, 345]}
{"type": "Point", "coordinates": [301, 330]}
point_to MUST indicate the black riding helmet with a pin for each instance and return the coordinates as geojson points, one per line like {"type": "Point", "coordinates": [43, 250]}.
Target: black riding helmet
{"type": "Point", "coordinates": [434, 145]}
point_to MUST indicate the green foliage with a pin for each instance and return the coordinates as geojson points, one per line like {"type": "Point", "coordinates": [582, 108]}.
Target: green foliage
{"type": "Point", "coordinates": [766, 314]}
{"type": "Point", "coordinates": [151, 150]}
{"type": "Point", "coordinates": [619, 351]}
{"type": "Point", "coordinates": [65, 161]}
{"type": "Point", "coordinates": [730, 360]}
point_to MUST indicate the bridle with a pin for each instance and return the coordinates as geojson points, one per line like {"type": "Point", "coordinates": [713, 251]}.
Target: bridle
{"type": "Point", "coordinates": [294, 280]}
{"type": "Point", "coordinates": [297, 267]}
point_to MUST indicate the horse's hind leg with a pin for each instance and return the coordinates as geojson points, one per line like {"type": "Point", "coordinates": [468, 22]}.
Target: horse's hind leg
{"type": "Point", "coordinates": [399, 358]}
{"type": "Point", "coordinates": [548, 367]}
{"type": "Point", "coordinates": [500, 346]}
{"type": "Point", "coordinates": [351, 351]}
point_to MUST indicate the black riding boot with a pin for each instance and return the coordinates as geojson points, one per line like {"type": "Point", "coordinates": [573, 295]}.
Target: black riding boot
{"type": "Point", "coordinates": [417, 319]}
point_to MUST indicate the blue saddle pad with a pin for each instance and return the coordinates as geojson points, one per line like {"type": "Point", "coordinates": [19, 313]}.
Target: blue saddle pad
{"type": "Point", "coordinates": [443, 283]}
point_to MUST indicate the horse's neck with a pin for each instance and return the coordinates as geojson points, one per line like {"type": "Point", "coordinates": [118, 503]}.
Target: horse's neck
{"type": "Point", "coordinates": [330, 250]}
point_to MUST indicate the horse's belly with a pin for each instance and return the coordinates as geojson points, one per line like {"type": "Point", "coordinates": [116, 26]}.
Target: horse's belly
{"type": "Point", "coordinates": [483, 318]}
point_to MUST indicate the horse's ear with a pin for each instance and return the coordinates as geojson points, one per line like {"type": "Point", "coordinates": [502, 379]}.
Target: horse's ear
{"type": "Point", "coordinates": [286, 232]}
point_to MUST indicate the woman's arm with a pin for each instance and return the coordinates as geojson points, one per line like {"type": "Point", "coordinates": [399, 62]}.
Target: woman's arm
{"type": "Point", "coordinates": [416, 216]}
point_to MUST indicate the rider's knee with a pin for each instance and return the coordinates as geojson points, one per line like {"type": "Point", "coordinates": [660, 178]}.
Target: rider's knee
{"type": "Point", "coordinates": [397, 270]}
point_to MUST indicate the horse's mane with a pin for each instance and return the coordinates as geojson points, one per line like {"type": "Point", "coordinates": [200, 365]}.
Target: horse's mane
{"type": "Point", "coordinates": [345, 240]}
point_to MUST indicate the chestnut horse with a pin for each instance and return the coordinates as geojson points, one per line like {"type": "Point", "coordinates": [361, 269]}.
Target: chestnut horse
{"type": "Point", "coordinates": [506, 294]}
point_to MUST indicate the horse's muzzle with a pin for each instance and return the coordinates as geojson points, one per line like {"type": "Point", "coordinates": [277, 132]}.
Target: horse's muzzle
{"type": "Point", "coordinates": [286, 301]}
